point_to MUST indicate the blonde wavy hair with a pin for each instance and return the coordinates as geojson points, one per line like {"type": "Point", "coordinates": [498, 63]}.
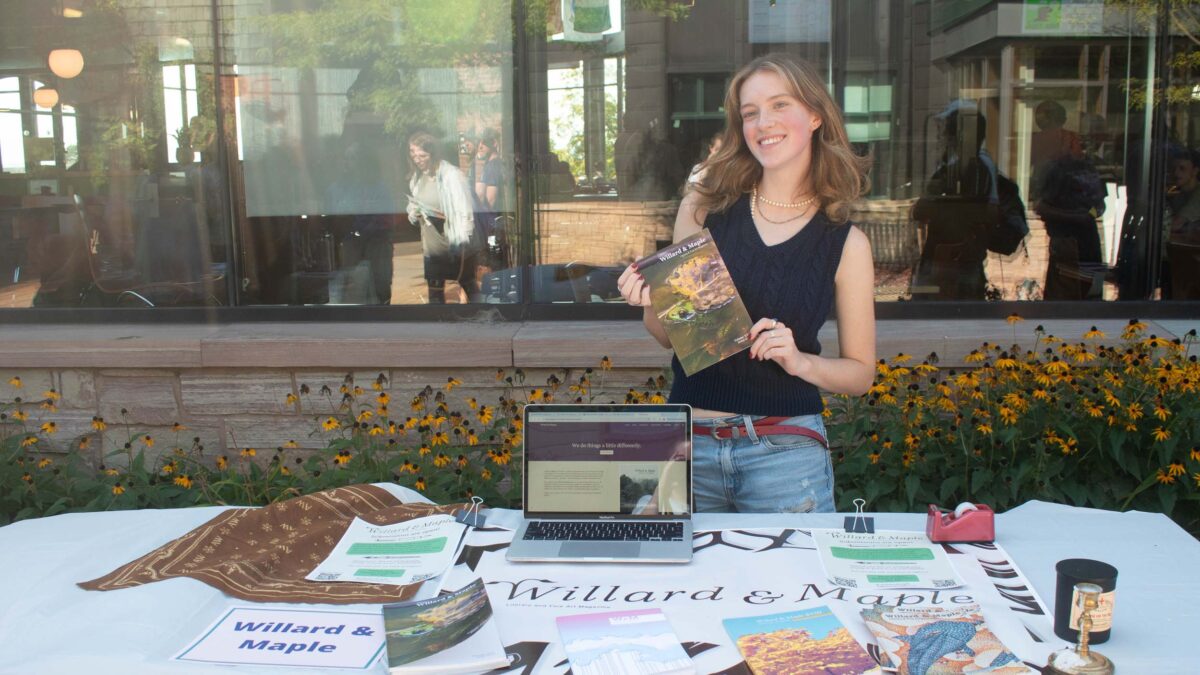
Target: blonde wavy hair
{"type": "Point", "coordinates": [838, 175]}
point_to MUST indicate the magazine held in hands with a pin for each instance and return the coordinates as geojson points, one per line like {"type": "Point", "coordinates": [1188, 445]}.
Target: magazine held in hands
{"type": "Point", "coordinates": [453, 633]}
{"type": "Point", "coordinates": [811, 640]}
{"type": "Point", "coordinates": [695, 299]}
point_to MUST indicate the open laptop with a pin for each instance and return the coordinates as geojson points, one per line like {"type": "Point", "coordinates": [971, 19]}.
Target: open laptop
{"type": "Point", "coordinates": [606, 483]}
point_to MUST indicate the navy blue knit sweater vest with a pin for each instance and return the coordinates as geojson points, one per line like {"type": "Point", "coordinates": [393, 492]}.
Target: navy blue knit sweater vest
{"type": "Point", "coordinates": [792, 282]}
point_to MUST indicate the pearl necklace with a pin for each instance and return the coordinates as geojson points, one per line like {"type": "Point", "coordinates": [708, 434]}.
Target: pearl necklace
{"type": "Point", "coordinates": [755, 197]}
{"type": "Point", "coordinates": [782, 205]}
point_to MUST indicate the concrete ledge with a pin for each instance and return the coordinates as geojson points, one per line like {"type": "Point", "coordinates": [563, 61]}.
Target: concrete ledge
{"type": "Point", "coordinates": [466, 344]}
{"type": "Point", "coordinates": [103, 346]}
{"type": "Point", "coordinates": [365, 345]}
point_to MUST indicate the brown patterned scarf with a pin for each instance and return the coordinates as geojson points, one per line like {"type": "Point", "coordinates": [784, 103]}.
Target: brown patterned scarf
{"type": "Point", "coordinates": [263, 554]}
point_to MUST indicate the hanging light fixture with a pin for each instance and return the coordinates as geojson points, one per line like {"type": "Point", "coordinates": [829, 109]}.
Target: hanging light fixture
{"type": "Point", "coordinates": [66, 63]}
{"type": "Point", "coordinates": [46, 97]}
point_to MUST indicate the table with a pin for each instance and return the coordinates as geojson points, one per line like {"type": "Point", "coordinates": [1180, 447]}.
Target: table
{"type": "Point", "coordinates": [48, 625]}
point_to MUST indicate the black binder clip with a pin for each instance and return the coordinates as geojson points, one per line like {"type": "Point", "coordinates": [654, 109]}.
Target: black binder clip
{"type": "Point", "coordinates": [858, 523]}
{"type": "Point", "coordinates": [471, 515]}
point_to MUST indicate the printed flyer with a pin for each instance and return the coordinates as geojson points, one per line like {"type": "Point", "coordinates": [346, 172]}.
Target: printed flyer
{"type": "Point", "coordinates": [402, 553]}
{"type": "Point", "coordinates": [884, 560]}
{"type": "Point", "coordinates": [695, 299]}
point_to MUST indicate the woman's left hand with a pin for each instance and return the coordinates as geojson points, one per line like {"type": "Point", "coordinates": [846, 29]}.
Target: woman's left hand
{"type": "Point", "coordinates": [773, 341]}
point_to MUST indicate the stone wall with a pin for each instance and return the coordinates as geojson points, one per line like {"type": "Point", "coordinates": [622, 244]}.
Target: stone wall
{"type": "Point", "coordinates": [228, 385]}
{"type": "Point", "coordinates": [232, 409]}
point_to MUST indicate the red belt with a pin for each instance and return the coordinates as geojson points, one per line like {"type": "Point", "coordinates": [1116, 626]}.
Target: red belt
{"type": "Point", "coordinates": [767, 426]}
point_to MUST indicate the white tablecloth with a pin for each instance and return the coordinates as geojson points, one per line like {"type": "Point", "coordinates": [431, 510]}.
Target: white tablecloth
{"type": "Point", "coordinates": [49, 625]}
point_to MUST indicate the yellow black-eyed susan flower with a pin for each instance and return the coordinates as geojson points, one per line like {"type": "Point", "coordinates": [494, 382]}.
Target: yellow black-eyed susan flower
{"type": "Point", "coordinates": [1176, 469]}
{"type": "Point", "coordinates": [20, 415]}
{"type": "Point", "coordinates": [342, 458]}
{"type": "Point", "coordinates": [28, 441]}
{"type": "Point", "coordinates": [1160, 434]}
{"type": "Point", "coordinates": [118, 489]}
{"type": "Point", "coordinates": [15, 381]}
{"type": "Point", "coordinates": [222, 462]}
{"type": "Point", "coordinates": [452, 382]}
{"type": "Point", "coordinates": [419, 484]}
{"type": "Point", "coordinates": [365, 415]}
{"type": "Point", "coordinates": [486, 474]}
{"type": "Point", "coordinates": [1164, 478]}
{"type": "Point", "coordinates": [49, 427]}
{"type": "Point", "coordinates": [248, 452]}
{"type": "Point", "coordinates": [440, 438]}
{"type": "Point", "coordinates": [330, 424]}
{"type": "Point", "coordinates": [183, 480]}
{"type": "Point", "coordinates": [44, 462]}
{"type": "Point", "coordinates": [1013, 318]}
{"type": "Point", "coordinates": [98, 424]}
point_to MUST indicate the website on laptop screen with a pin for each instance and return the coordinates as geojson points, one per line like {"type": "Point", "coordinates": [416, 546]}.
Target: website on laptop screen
{"type": "Point", "coordinates": [600, 462]}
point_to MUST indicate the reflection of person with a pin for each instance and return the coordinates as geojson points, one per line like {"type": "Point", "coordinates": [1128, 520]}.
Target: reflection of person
{"type": "Point", "coordinates": [697, 173]}
{"type": "Point", "coordinates": [776, 199]}
{"type": "Point", "coordinates": [959, 203]}
{"type": "Point", "coordinates": [364, 205]}
{"type": "Point", "coordinates": [1183, 199]}
{"type": "Point", "coordinates": [670, 491]}
{"type": "Point", "coordinates": [1069, 196]}
{"type": "Point", "coordinates": [439, 202]}
{"type": "Point", "coordinates": [489, 199]}
{"type": "Point", "coordinates": [1051, 141]}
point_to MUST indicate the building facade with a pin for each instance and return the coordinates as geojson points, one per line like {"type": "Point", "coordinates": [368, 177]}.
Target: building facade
{"type": "Point", "coordinates": [233, 154]}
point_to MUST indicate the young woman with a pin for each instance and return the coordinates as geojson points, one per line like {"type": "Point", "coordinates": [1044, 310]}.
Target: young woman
{"type": "Point", "coordinates": [440, 203]}
{"type": "Point", "coordinates": [776, 197]}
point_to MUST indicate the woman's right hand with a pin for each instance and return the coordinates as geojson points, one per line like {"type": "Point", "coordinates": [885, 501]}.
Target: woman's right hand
{"type": "Point", "coordinates": [633, 287]}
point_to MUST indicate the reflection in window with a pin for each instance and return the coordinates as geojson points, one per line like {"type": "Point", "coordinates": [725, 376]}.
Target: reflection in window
{"type": "Point", "coordinates": [323, 116]}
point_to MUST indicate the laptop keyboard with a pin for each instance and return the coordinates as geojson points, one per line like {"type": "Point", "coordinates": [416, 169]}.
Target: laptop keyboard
{"type": "Point", "coordinates": [590, 530]}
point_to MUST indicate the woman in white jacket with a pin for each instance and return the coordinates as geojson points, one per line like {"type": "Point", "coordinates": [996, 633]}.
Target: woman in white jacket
{"type": "Point", "coordinates": [439, 202]}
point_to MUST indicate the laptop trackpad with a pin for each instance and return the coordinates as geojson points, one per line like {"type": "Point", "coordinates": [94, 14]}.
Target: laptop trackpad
{"type": "Point", "coordinates": [599, 549]}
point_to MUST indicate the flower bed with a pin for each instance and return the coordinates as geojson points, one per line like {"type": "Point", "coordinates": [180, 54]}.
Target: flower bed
{"type": "Point", "coordinates": [1086, 422]}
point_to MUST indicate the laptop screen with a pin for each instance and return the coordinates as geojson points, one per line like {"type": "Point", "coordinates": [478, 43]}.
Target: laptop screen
{"type": "Point", "coordinates": [621, 460]}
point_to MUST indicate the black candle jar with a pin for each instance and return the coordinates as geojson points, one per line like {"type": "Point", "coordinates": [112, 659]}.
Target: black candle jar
{"type": "Point", "coordinates": [1066, 610]}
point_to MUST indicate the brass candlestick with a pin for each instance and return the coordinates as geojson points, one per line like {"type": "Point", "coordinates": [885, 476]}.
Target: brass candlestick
{"type": "Point", "coordinates": [1081, 660]}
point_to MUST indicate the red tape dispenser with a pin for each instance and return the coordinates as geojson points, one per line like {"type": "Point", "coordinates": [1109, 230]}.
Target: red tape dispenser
{"type": "Point", "coordinates": [967, 524]}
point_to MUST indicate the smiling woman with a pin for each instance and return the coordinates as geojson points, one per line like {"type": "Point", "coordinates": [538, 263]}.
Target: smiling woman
{"type": "Point", "coordinates": [775, 198]}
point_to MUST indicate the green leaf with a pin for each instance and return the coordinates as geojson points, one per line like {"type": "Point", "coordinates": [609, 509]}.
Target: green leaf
{"type": "Point", "coordinates": [912, 483]}
{"type": "Point", "coordinates": [980, 479]}
{"type": "Point", "coordinates": [949, 486]}
{"type": "Point", "coordinates": [1167, 497]}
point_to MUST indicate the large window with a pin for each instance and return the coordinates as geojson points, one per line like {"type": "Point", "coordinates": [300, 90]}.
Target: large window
{"type": "Point", "coordinates": [413, 152]}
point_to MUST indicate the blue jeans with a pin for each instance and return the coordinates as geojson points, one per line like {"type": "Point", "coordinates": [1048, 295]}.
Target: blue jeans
{"type": "Point", "coordinates": [767, 474]}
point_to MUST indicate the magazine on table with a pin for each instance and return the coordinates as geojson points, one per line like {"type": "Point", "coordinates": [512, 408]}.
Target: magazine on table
{"type": "Point", "coordinates": [453, 633]}
{"type": "Point", "coordinates": [694, 298]}
{"type": "Point", "coordinates": [811, 640]}
{"type": "Point", "coordinates": [928, 640]}
{"type": "Point", "coordinates": [637, 642]}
